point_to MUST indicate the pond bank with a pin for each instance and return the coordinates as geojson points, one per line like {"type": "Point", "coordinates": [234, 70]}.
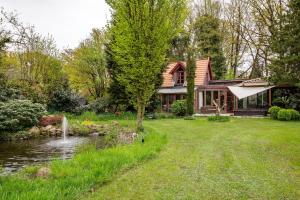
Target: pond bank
{"type": "Point", "coordinates": [68, 179]}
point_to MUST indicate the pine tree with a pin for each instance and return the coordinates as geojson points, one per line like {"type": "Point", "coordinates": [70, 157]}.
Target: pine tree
{"type": "Point", "coordinates": [209, 43]}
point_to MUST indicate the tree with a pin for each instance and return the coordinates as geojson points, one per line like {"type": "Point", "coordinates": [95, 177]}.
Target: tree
{"type": "Point", "coordinates": [209, 42]}
{"type": "Point", "coordinates": [234, 45]}
{"type": "Point", "coordinates": [285, 43]}
{"type": "Point", "coordinates": [142, 31]}
{"type": "Point", "coordinates": [86, 65]}
{"type": "Point", "coordinates": [31, 62]}
{"type": "Point", "coordinates": [191, 67]}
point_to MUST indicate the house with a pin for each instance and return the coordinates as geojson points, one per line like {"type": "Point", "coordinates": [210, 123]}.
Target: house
{"type": "Point", "coordinates": [236, 97]}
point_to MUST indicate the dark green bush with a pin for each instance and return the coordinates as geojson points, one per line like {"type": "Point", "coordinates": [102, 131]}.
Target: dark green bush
{"type": "Point", "coordinates": [274, 111]}
{"type": "Point", "coordinates": [295, 114]}
{"type": "Point", "coordinates": [99, 105]}
{"type": "Point", "coordinates": [179, 108]}
{"type": "Point", "coordinates": [284, 115]}
{"type": "Point", "coordinates": [66, 101]}
{"type": "Point", "coordinates": [18, 115]}
{"type": "Point", "coordinates": [7, 93]}
{"type": "Point", "coordinates": [219, 118]}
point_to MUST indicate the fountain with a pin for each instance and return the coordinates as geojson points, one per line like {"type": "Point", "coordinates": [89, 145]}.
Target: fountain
{"type": "Point", "coordinates": [65, 128]}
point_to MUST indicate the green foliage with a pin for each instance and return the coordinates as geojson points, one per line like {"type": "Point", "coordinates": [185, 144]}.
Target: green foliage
{"type": "Point", "coordinates": [282, 101]}
{"type": "Point", "coordinates": [190, 76]}
{"type": "Point", "coordinates": [219, 118]}
{"type": "Point", "coordinates": [92, 116]}
{"type": "Point", "coordinates": [274, 111]}
{"type": "Point", "coordinates": [78, 128]}
{"type": "Point", "coordinates": [209, 43]}
{"type": "Point", "coordinates": [295, 114]}
{"type": "Point", "coordinates": [86, 65]}
{"type": "Point", "coordinates": [179, 108]}
{"type": "Point", "coordinates": [111, 139]}
{"type": "Point", "coordinates": [18, 115]}
{"type": "Point", "coordinates": [179, 46]}
{"type": "Point", "coordinates": [287, 98]}
{"type": "Point", "coordinates": [99, 105]}
{"type": "Point", "coordinates": [6, 92]}
{"type": "Point", "coordinates": [63, 99]}
{"type": "Point", "coordinates": [162, 115]}
{"type": "Point", "coordinates": [141, 33]}
{"type": "Point", "coordinates": [70, 179]}
{"type": "Point", "coordinates": [284, 115]}
{"type": "Point", "coordinates": [285, 43]}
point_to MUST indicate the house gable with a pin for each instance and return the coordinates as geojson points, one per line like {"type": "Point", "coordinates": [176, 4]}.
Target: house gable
{"type": "Point", "coordinates": [203, 73]}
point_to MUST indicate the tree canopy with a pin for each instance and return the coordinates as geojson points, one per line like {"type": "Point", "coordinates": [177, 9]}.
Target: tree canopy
{"type": "Point", "coordinates": [142, 32]}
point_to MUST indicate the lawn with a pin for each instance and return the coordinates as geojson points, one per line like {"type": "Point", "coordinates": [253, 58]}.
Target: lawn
{"type": "Point", "coordinates": [241, 159]}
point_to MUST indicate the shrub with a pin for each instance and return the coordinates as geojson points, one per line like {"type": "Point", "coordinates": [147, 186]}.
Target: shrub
{"type": "Point", "coordinates": [284, 115]}
{"type": "Point", "coordinates": [66, 101]}
{"type": "Point", "coordinates": [219, 118]}
{"type": "Point", "coordinates": [274, 111]}
{"type": "Point", "coordinates": [179, 107]}
{"type": "Point", "coordinates": [78, 128]}
{"type": "Point", "coordinates": [99, 105]}
{"type": "Point", "coordinates": [18, 115]}
{"type": "Point", "coordinates": [295, 114]}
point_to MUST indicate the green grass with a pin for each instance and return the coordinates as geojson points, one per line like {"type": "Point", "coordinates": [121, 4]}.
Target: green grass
{"type": "Point", "coordinates": [91, 116]}
{"type": "Point", "coordinates": [240, 159]}
{"type": "Point", "coordinates": [71, 178]}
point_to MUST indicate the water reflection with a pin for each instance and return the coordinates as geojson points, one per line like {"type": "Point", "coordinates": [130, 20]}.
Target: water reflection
{"type": "Point", "coordinates": [18, 154]}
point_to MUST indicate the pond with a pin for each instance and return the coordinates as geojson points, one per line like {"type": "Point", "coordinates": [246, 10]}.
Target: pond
{"type": "Point", "coordinates": [15, 155]}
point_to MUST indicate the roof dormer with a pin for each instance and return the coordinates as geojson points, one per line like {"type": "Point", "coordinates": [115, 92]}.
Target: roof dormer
{"type": "Point", "coordinates": [179, 75]}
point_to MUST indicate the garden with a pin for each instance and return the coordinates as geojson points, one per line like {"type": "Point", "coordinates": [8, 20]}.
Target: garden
{"type": "Point", "coordinates": [88, 122]}
{"type": "Point", "coordinates": [242, 158]}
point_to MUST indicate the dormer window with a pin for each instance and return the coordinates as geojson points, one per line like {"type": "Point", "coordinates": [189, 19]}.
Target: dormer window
{"type": "Point", "coordinates": [180, 76]}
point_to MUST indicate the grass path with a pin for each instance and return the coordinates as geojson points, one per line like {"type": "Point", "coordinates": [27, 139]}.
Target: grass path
{"type": "Point", "coordinates": [241, 159]}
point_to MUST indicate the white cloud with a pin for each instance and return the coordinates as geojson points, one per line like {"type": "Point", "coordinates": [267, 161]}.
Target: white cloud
{"type": "Point", "coordinates": [68, 21]}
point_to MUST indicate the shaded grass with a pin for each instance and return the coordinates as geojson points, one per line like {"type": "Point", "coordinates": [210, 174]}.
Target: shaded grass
{"type": "Point", "coordinates": [92, 116]}
{"type": "Point", "coordinates": [241, 159]}
{"type": "Point", "coordinates": [70, 178]}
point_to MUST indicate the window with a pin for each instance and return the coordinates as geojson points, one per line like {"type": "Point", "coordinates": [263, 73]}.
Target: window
{"type": "Point", "coordinates": [208, 98]}
{"type": "Point", "coordinates": [216, 96]}
{"type": "Point", "coordinates": [259, 100]}
{"type": "Point", "coordinates": [262, 99]}
{"type": "Point", "coordinates": [180, 76]}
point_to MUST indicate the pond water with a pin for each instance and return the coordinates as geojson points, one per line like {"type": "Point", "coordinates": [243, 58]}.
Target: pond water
{"type": "Point", "coordinates": [15, 155]}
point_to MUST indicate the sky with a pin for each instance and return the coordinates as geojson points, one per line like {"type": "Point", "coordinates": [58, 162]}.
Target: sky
{"type": "Point", "coordinates": [68, 21]}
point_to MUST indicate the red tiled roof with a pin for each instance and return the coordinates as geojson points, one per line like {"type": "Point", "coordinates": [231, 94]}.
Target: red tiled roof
{"type": "Point", "coordinates": [202, 68]}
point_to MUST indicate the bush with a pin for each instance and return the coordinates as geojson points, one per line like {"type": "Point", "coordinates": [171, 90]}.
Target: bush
{"type": "Point", "coordinates": [274, 111]}
{"type": "Point", "coordinates": [99, 105]}
{"type": "Point", "coordinates": [284, 115]}
{"type": "Point", "coordinates": [66, 101]}
{"type": "Point", "coordinates": [18, 115]}
{"type": "Point", "coordinates": [219, 118]}
{"type": "Point", "coordinates": [179, 107]}
{"type": "Point", "coordinates": [295, 114]}
{"type": "Point", "coordinates": [78, 128]}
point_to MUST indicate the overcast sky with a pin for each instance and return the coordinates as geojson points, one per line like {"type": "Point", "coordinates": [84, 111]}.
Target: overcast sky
{"type": "Point", "coordinates": [68, 21]}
